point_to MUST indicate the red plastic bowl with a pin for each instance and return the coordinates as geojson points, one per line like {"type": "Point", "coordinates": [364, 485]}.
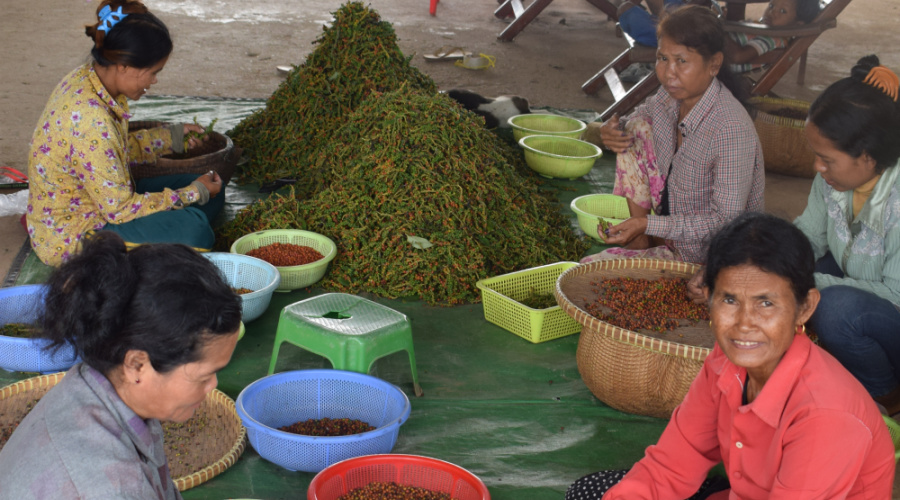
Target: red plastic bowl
{"type": "Point", "coordinates": [412, 470]}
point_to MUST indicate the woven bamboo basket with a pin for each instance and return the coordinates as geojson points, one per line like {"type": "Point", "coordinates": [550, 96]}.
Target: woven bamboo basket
{"type": "Point", "coordinates": [785, 150]}
{"type": "Point", "coordinates": [213, 449]}
{"type": "Point", "coordinates": [646, 374]}
{"type": "Point", "coordinates": [218, 153]}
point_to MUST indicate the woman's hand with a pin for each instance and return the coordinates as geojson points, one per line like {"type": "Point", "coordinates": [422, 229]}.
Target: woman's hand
{"type": "Point", "coordinates": [614, 137]}
{"type": "Point", "coordinates": [696, 288]}
{"type": "Point", "coordinates": [212, 181]}
{"type": "Point", "coordinates": [626, 231]}
{"type": "Point", "coordinates": [192, 140]}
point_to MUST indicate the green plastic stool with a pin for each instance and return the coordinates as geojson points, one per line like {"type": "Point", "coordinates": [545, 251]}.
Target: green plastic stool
{"type": "Point", "coordinates": [352, 332]}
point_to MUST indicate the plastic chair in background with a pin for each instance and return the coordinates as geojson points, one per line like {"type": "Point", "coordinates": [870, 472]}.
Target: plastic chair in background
{"type": "Point", "coordinates": [350, 331]}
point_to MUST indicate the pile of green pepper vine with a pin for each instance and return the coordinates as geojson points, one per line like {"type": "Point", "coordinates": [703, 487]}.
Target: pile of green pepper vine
{"type": "Point", "coordinates": [424, 202]}
{"type": "Point", "coordinates": [355, 56]}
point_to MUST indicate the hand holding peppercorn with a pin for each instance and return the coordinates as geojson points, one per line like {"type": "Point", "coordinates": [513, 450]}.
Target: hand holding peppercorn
{"type": "Point", "coordinates": [627, 231]}
{"type": "Point", "coordinates": [614, 137]}
{"type": "Point", "coordinates": [697, 290]}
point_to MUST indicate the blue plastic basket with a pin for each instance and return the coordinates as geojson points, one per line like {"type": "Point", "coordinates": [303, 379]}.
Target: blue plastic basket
{"type": "Point", "coordinates": [23, 304]}
{"type": "Point", "coordinates": [243, 271]}
{"type": "Point", "coordinates": [286, 398]}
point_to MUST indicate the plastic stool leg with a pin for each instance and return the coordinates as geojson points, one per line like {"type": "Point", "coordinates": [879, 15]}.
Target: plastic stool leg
{"type": "Point", "coordinates": [415, 374]}
{"type": "Point", "coordinates": [274, 359]}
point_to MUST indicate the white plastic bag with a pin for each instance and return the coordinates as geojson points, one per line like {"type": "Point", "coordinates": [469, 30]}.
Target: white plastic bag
{"type": "Point", "coordinates": [13, 204]}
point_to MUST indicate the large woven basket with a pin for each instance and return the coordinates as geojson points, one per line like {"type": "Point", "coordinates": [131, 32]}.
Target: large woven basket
{"type": "Point", "coordinates": [785, 150]}
{"type": "Point", "coordinates": [214, 448]}
{"type": "Point", "coordinates": [645, 374]}
{"type": "Point", "coordinates": [218, 153]}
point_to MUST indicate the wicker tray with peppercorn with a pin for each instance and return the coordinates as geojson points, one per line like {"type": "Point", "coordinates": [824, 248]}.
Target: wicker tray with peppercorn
{"type": "Point", "coordinates": [197, 450]}
{"type": "Point", "coordinates": [648, 371]}
{"type": "Point", "coordinates": [216, 153]}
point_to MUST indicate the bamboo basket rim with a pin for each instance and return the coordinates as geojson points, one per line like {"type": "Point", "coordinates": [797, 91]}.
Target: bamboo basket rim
{"type": "Point", "coordinates": [776, 119]}
{"type": "Point", "coordinates": [639, 340]}
{"type": "Point", "coordinates": [216, 397]}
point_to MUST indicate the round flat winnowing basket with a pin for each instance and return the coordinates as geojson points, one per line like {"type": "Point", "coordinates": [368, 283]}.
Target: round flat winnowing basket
{"type": "Point", "coordinates": [202, 448]}
{"type": "Point", "coordinates": [645, 374]}
{"type": "Point", "coordinates": [218, 153]}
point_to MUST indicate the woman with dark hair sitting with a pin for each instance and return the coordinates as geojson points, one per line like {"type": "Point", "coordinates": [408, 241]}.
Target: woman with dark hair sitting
{"type": "Point", "coordinates": [852, 219]}
{"type": "Point", "coordinates": [690, 153]}
{"type": "Point", "coordinates": [782, 415]}
{"type": "Point", "coordinates": [82, 149]}
{"type": "Point", "coordinates": [152, 327]}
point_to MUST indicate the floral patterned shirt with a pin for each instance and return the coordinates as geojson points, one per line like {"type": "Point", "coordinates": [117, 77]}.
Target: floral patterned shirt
{"type": "Point", "coordinates": [78, 166]}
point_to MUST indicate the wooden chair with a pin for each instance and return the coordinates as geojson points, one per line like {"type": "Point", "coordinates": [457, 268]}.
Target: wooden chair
{"type": "Point", "coordinates": [523, 15]}
{"type": "Point", "coordinates": [801, 38]}
{"type": "Point", "coordinates": [625, 100]}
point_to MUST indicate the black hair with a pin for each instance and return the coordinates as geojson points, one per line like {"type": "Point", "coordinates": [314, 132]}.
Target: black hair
{"type": "Point", "coordinates": [164, 299]}
{"type": "Point", "coordinates": [767, 242]}
{"type": "Point", "coordinates": [807, 10]}
{"type": "Point", "coordinates": [858, 117]}
{"type": "Point", "coordinates": [139, 40]}
{"type": "Point", "coordinates": [699, 28]}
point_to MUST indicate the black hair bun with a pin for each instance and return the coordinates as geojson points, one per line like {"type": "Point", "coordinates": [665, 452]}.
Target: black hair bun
{"type": "Point", "coordinates": [863, 66]}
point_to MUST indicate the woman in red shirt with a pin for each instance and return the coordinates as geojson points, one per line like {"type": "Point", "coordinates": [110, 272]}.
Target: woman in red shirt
{"type": "Point", "coordinates": [782, 415]}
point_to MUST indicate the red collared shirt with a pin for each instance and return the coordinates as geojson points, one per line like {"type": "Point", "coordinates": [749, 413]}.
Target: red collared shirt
{"type": "Point", "coordinates": [717, 173]}
{"type": "Point", "coordinates": [813, 432]}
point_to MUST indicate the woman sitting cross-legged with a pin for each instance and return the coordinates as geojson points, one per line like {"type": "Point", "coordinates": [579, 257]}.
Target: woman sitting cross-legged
{"type": "Point", "coordinates": [785, 418]}
{"type": "Point", "coordinates": [852, 219]}
{"type": "Point", "coordinates": [690, 153]}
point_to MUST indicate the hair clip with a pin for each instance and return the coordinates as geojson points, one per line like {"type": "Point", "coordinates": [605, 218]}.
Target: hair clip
{"type": "Point", "coordinates": [108, 18]}
{"type": "Point", "coordinates": [884, 79]}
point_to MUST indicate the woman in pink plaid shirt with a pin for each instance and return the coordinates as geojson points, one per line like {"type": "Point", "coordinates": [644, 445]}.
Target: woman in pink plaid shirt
{"type": "Point", "coordinates": [689, 160]}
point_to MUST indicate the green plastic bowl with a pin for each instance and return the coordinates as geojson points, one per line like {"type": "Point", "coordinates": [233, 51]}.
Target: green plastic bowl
{"type": "Point", "coordinates": [591, 208]}
{"type": "Point", "coordinates": [543, 124]}
{"type": "Point", "coordinates": [292, 277]}
{"type": "Point", "coordinates": [559, 157]}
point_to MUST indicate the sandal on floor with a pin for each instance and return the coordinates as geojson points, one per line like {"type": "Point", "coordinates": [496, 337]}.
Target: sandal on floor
{"type": "Point", "coordinates": [446, 54]}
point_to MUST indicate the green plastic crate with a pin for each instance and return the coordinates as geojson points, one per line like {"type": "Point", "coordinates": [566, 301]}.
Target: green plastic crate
{"type": "Point", "coordinates": [500, 296]}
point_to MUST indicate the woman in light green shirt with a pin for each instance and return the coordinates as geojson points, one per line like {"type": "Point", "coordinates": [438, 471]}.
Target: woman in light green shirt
{"type": "Point", "coordinates": [852, 220]}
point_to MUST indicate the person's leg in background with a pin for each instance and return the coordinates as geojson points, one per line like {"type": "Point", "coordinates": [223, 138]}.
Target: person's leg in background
{"type": "Point", "coordinates": [156, 184]}
{"type": "Point", "coordinates": [860, 329]}
{"type": "Point", "coordinates": [190, 225]}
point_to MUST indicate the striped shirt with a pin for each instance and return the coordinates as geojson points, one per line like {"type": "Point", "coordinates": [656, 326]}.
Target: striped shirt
{"type": "Point", "coordinates": [760, 43]}
{"type": "Point", "coordinates": [716, 175]}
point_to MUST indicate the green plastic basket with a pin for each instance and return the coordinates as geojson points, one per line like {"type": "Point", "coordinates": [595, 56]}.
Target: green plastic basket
{"type": "Point", "coordinates": [590, 208]}
{"type": "Point", "coordinates": [292, 277]}
{"type": "Point", "coordinates": [501, 295]}
{"type": "Point", "coordinates": [543, 124]}
{"type": "Point", "coordinates": [561, 157]}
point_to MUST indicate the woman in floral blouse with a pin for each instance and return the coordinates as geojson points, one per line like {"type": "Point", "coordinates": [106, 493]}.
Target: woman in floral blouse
{"type": "Point", "coordinates": [81, 149]}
